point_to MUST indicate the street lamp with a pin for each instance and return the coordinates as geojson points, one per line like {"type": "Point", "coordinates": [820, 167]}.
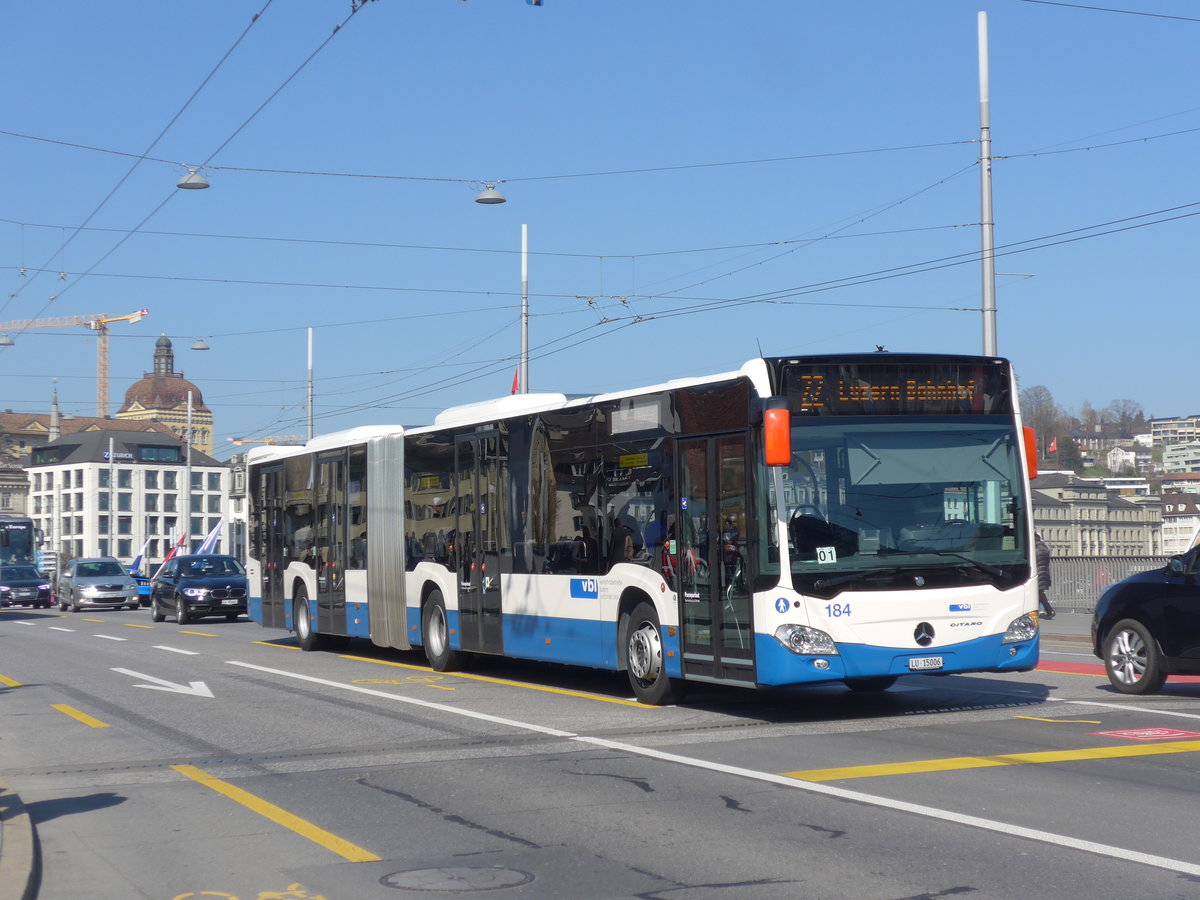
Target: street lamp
{"type": "Point", "coordinates": [488, 195]}
{"type": "Point", "coordinates": [193, 181]}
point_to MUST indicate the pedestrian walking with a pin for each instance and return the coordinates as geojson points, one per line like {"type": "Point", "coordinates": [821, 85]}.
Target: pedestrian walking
{"type": "Point", "coordinates": [1042, 551]}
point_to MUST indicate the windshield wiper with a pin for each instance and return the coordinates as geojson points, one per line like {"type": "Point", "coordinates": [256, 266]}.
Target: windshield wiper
{"type": "Point", "coordinates": [986, 568]}
{"type": "Point", "coordinates": [981, 566]}
{"type": "Point", "coordinates": [822, 583]}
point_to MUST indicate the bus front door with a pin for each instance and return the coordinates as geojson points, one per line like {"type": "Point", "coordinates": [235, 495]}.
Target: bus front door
{"type": "Point", "coordinates": [714, 597]}
{"type": "Point", "coordinates": [477, 541]}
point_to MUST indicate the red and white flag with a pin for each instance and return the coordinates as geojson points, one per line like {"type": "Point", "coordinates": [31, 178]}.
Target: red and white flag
{"type": "Point", "coordinates": [1053, 448]}
{"type": "Point", "coordinates": [516, 380]}
{"type": "Point", "coordinates": [174, 551]}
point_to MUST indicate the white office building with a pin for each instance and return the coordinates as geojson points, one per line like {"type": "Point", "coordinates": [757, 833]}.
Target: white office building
{"type": "Point", "coordinates": [107, 493]}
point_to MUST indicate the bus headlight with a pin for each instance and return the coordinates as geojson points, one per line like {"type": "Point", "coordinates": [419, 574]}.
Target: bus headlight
{"type": "Point", "coordinates": [801, 639]}
{"type": "Point", "coordinates": [1024, 628]}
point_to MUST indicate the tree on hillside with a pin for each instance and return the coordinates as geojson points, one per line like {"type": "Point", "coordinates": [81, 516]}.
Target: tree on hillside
{"type": "Point", "coordinates": [1126, 416]}
{"type": "Point", "coordinates": [1041, 413]}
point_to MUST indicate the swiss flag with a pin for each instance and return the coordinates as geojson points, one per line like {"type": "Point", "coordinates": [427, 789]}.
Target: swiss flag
{"type": "Point", "coordinates": [1053, 448]}
{"type": "Point", "coordinates": [516, 380]}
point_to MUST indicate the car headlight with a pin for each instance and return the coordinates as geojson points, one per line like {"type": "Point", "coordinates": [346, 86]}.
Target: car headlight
{"type": "Point", "coordinates": [41, 587]}
{"type": "Point", "coordinates": [801, 639]}
{"type": "Point", "coordinates": [1024, 628]}
{"type": "Point", "coordinates": [89, 590]}
{"type": "Point", "coordinates": [196, 592]}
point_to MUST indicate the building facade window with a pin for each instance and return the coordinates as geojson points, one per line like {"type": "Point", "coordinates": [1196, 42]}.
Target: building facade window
{"type": "Point", "coordinates": [214, 503]}
{"type": "Point", "coordinates": [151, 502]}
{"type": "Point", "coordinates": [214, 481]}
{"type": "Point", "coordinates": [170, 480]}
{"type": "Point", "coordinates": [124, 502]}
{"type": "Point", "coordinates": [152, 479]}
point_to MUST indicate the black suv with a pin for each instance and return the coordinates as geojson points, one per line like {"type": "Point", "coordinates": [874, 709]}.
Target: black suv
{"type": "Point", "coordinates": [1148, 626]}
{"type": "Point", "coordinates": [189, 587]}
{"type": "Point", "coordinates": [22, 585]}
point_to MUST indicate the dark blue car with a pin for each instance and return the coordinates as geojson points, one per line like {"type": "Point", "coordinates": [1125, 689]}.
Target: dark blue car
{"type": "Point", "coordinates": [1148, 626]}
{"type": "Point", "coordinates": [189, 587]}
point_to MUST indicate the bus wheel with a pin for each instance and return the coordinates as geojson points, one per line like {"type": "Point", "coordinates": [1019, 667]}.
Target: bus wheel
{"type": "Point", "coordinates": [435, 632]}
{"type": "Point", "coordinates": [302, 622]}
{"type": "Point", "coordinates": [866, 685]}
{"type": "Point", "coordinates": [644, 659]}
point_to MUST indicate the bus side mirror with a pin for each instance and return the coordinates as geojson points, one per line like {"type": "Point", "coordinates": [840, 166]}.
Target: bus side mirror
{"type": "Point", "coordinates": [1031, 452]}
{"type": "Point", "coordinates": [777, 437]}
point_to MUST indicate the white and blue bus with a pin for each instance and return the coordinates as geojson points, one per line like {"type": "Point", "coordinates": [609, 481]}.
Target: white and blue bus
{"type": "Point", "coordinates": [847, 518]}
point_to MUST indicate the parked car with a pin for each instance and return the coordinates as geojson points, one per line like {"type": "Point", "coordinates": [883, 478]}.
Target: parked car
{"type": "Point", "coordinates": [24, 586]}
{"type": "Point", "coordinates": [189, 587]}
{"type": "Point", "coordinates": [96, 582]}
{"type": "Point", "coordinates": [1148, 626]}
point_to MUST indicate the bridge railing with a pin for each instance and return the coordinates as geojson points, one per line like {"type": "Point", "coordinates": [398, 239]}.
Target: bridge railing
{"type": "Point", "coordinates": [1078, 581]}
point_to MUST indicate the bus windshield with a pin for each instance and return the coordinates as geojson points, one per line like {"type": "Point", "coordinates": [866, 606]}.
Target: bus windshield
{"type": "Point", "coordinates": [868, 500]}
{"type": "Point", "coordinates": [17, 544]}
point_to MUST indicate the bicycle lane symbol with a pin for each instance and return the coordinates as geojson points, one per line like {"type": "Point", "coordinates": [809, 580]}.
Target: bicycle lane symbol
{"type": "Point", "coordinates": [427, 680]}
{"type": "Point", "coordinates": [292, 892]}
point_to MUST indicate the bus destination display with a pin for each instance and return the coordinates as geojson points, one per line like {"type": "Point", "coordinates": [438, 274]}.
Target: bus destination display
{"type": "Point", "coordinates": [949, 388]}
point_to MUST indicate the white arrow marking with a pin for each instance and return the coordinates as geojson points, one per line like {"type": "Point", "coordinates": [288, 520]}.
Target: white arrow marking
{"type": "Point", "coordinates": [196, 689]}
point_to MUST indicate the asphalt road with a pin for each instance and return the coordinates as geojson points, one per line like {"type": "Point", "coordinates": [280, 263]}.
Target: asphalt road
{"type": "Point", "coordinates": [217, 760]}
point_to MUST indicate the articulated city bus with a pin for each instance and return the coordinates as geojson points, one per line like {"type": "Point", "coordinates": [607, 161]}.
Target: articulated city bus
{"type": "Point", "coordinates": [847, 518]}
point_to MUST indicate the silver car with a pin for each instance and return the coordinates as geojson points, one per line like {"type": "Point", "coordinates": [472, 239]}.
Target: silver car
{"type": "Point", "coordinates": [98, 582]}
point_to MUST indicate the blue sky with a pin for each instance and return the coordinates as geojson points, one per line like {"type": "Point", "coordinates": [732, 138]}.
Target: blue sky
{"type": "Point", "coordinates": [700, 180]}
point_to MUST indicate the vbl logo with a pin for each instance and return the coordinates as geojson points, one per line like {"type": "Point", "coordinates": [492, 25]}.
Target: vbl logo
{"type": "Point", "coordinates": [585, 588]}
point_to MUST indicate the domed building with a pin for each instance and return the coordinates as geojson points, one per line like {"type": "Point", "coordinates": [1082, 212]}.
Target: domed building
{"type": "Point", "coordinates": [162, 395]}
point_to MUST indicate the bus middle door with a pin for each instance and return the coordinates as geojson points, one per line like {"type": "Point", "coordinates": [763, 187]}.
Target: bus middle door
{"type": "Point", "coordinates": [477, 540]}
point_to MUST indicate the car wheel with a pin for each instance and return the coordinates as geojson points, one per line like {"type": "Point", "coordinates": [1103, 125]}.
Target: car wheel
{"type": "Point", "coordinates": [435, 633]}
{"type": "Point", "coordinates": [231, 617]}
{"type": "Point", "coordinates": [156, 614]}
{"type": "Point", "coordinates": [62, 605]}
{"type": "Point", "coordinates": [75, 607]}
{"type": "Point", "coordinates": [644, 660]}
{"type": "Point", "coordinates": [867, 685]}
{"type": "Point", "coordinates": [181, 611]}
{"type": "Point", "coordinates": [1132, 659]}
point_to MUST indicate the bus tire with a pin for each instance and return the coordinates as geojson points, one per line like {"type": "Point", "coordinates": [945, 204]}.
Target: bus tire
{"type": "Point", "coordinates": [868, 685]}
{"type": "Point", "coordinates": [302, 622]}
{"type": "Point", "coordinates": [645, 660]}
{"type": "Point", "coordinates": [435, 634]}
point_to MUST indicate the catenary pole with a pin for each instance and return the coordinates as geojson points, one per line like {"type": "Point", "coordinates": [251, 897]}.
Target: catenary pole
{"type": "Point", "coordinates": [987, 226]}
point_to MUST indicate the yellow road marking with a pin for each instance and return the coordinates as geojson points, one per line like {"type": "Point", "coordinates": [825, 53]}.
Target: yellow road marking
{"type": "Point", "coordinates": [9, 682]}
{"type": "Point", "coordinates": [84, 619]}
{"type": "Point", "coordinates": [132, 625]}
{"type": "Point", "coordinates": [1061, 721]}
{"type": "Point", "coordinates": [199, 633]}
{"type": "Point", "coordinates": [279, 816]}
{"type": "Point", "coordinates": [985, 762]}
{"type": "Point", "coordinates": [274, 644]}
{"type": "Point", "coordinates": [79, 716]}
{"type": "Point", "coordinates": [504, 681]}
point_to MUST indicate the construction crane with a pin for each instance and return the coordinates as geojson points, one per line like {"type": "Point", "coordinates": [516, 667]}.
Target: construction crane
{"type": "Point", "coordinates": [284, 439]}
{"type": "Point", "coordinates": [97, 323]}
